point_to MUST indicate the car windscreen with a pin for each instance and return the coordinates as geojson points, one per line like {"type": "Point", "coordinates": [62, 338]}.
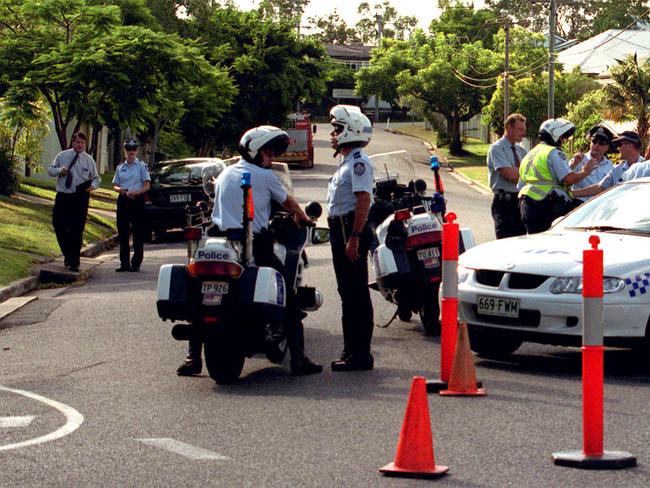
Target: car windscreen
{"type": "Point", "coordinates": [622, 209]}
{"type": "Point", "coordinates": [177, 175]}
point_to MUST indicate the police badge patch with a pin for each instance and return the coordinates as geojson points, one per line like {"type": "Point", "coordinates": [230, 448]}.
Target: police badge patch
{"type": "Point", "coordinates": [359, 169]}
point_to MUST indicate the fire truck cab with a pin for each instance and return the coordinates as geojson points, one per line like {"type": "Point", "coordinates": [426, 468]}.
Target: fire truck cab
{"type": "Point", "coordinates": [301, 141]}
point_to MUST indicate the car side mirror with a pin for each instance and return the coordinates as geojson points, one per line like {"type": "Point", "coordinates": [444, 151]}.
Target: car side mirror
{"type": "Point", "coordinates": [320, 235]}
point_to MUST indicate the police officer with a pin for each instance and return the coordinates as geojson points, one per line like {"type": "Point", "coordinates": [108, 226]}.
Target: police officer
{"type": "Point", "coordinates": [258, 147]}
{"type": "Point", "coordinates": [77, 176]}
{"type": "Point", "coordinates": [600, 141]}
{"type": "Point", "coordinates": [131, 181]}
{"type": "Point", "coordinates": [349, 197]}
{"type": "Point", "coordinates": [503, 160]}
{"type": "Point", "coordinates": [629, 147]}
{"type": "Point", "coordinates": [545, 177]}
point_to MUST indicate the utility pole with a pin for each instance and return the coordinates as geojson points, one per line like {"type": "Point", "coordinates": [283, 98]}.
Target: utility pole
{"type": "Point", "coordinates": [551, 61]}
{"type": "Point", "coordinates": [380, 28]}
{"type": "Point", "coordinates": [506, 74]}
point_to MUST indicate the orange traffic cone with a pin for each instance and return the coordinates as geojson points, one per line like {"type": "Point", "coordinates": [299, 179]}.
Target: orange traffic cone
{"type": "Point", "coordinates": [462, 380]}
{"type": "Point", "coordinates": [414, 457]}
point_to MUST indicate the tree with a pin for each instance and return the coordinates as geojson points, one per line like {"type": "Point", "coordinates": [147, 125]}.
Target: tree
{"type": "Point", "coordinates": [435, 80]}
{"type": "Point", "coordinates": [332, 29]}
{"type": "Point", "coordinates": [393, 25]}
{"type": "Point", "coordinates": [575, 20]}
{"type": "Point", "coordinates": [587, 112]}
{"type": "Point", "coordinates": [273, 69]}
{"type": "Point", "coordinates": [628, 96]}
{"type": "Point", "coordinates": [24, 129]}
{"type": "Point", "coordinates": [283, 10]}
{"type": "Point", "coordinates": [467, 24]}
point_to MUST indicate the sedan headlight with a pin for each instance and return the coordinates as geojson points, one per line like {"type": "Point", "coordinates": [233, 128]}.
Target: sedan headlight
{"type": "Point", "coordinates": [463, 274]}
{"type": "Point", "coordinates": [573, 284]}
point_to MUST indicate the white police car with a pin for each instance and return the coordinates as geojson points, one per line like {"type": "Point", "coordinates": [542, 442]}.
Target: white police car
{"type": "Point", "coordinates": [529, 288]}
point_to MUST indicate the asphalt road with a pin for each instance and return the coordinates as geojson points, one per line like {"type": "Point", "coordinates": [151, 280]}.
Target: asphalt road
{"type": "Point", "coordinates": [89, 395]}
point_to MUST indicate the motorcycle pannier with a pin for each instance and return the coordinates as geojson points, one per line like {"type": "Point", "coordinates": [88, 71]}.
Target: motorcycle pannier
{"type": "Point", "coordinates": [172, 302]}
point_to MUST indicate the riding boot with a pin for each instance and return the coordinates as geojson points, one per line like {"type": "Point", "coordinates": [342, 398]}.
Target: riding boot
{"type": "Point", "coordinates": [193, 363]}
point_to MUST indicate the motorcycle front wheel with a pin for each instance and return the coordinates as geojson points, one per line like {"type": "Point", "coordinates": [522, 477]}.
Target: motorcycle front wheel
{"type": "Point", "coordinates": [224, 356]}
{"type": "Point", "coordinates": [430, 311]}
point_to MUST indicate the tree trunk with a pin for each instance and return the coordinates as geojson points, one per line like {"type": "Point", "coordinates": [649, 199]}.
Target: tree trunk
{"type": "Point", "coordinates": [455, 141]}
{"type": "Point", "coordinates": [94, 141]}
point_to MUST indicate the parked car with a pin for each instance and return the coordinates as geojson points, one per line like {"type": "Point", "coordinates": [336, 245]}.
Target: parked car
{"type": "Point", "coordinates": [529, 288]}
{"type": "Point", "coordinates": [174, 184]}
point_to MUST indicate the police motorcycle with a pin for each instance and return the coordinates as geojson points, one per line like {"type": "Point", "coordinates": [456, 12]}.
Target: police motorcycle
{"type": "Point", "coordinates": [408, 227]}
{"type": "Point", "coordinates": [234, 306]}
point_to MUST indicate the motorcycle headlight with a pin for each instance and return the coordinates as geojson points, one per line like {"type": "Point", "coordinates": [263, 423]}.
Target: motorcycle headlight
{"type": "Point", "coordinates": [573, 284]}
{"type": "Point", "coordinates": [463, 274]}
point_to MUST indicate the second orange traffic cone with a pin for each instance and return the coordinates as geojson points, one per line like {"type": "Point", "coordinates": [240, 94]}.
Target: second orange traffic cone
{"type": "Point", "coordinates": [462, 380]}
{"type": "Point", "coordinates": [414, 457]}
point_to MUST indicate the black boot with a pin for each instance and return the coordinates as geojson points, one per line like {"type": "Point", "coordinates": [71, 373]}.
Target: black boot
{"type": "Point", "coordinates": [354, 363]}
{"type": "Point", "coordinates": [304, 366]}
{"type": "Point", "coordinates": [190, 367]}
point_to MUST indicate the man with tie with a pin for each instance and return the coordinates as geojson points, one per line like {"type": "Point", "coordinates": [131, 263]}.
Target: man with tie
{"type": "Point", "coordinates": [77, 176]}
{"type": "Point", "coordinates": [503, 159]}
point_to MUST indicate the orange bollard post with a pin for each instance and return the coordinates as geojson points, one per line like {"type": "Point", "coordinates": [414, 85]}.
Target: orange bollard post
{"type": "Point", "coordinates": [415, 457]}
{"type": "Point", "coordinates": [592, 455]}
{"type": "Point", "coordinates": [449, 302]}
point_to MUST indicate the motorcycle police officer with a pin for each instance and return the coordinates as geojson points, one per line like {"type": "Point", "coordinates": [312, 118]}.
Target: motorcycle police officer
{"type": "Point", "coordinates": [545, 177]}
{"type": "Point", "coordinates": [258, 147]}
{"type": "Point", "coordinates": [131, 181]}
{"type": "Point", "coordinates": [349, 197]}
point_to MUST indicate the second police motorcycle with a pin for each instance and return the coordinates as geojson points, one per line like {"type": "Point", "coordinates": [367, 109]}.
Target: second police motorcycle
{"type": "Point", "coordinates": [221, 295]}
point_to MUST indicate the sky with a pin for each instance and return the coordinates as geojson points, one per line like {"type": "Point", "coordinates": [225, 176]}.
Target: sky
{"type": "Point", "coordinates": [424, 10]}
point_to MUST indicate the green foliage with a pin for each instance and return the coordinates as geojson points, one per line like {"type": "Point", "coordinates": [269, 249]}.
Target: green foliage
{"type": "Point", "coordinates": [333, 29]}
{"type": "Point", "coordinates": [586, 112]}
{"type": "Point", "coordinates": [575, 20]}
{"type": "Point", "coordinates": [467, 24]}
{"type": "Point", "coordinates": [628, 96]}
{"type": "Point", "coordinates": [393, 25]}
{"type": "Point", "coordinates": [8, 178]}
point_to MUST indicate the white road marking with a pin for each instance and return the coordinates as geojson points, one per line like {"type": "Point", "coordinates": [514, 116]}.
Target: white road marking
{"type": "Point", "coordinates": [187, 450]}
{"type": "Point", "coordinates": [16, 421]}
{"type": "Point", "coordinates": [73, 420]}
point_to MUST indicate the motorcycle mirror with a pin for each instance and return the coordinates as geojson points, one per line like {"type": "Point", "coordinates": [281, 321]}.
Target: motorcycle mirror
{"type": "Point", "coordinates": [420, 185]}
{"type": "Point", "coordinates": [314, 210]}
{"type": "Point", "coordinates": [320, 235]}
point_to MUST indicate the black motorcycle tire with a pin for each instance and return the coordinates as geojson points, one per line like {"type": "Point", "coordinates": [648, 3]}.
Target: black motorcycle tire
{"type": "Point", "coordinates": [276, 351]}
{"type": "Point", "coordinates": [430, 311]}
{"type": "Point", "coordinates": [224, 357]}
{"type": "Point", "coordinates": [404, 315]}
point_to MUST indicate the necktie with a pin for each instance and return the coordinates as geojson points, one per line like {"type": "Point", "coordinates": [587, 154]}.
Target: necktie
{"type": "Point", "coordinates": [68, 177]}
{"type": "Point", "coordinates": [515, 155]}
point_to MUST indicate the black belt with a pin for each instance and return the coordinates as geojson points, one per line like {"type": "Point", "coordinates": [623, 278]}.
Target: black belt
{"type": "Point", "coordinates": [346, 218]}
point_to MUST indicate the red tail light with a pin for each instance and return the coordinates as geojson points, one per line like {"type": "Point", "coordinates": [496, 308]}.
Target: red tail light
{"type": "Point", "coordinates": [423, 239]}
{"type": "Point", "coordinates": [403, 214]}
{"type": "Point", "coordinates": [214, 268]}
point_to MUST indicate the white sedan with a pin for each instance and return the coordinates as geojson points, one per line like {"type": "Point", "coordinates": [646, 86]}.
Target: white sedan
{"type": "Point", "coordinates": [529, 288]}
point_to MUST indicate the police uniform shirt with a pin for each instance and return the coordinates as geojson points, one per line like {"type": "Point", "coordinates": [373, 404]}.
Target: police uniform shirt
{"type": "Point", "coordinates": [228, 196]}
{"type": "Point", "coordinates": [559, 168]}
{"type": "Point", "coordinates": [597, 174]}
{"type": "Point", "coordinates": [83, 170]}
{"type": "Point", "coordinates": [353, 175]}
{"type": "Point", "coordinates": [500, 156]}
{"type": "Point", "coordinates": [638, 170]}
{"type": "Point", "coordinates": [131, 176]}
{"type": "Point", "coordinates": [615, 176]}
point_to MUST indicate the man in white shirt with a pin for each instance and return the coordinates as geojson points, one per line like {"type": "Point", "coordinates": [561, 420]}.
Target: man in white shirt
{"type": "Point", "coordinates": [600, 141]}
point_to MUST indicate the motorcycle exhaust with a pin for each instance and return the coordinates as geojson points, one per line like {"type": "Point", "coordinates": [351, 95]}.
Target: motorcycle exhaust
{"type": "Point", "coordinates": [182, 332]}
{"type": "Point", "coordinates": [309, 298]}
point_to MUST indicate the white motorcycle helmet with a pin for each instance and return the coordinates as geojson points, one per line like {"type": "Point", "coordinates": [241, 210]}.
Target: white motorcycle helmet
{"type": "Point", "coordinates": [262, 137]}
{"type": "Point", "coordinates": [552, 130]}
{"type": "Point", "coordinates": [352, 127]}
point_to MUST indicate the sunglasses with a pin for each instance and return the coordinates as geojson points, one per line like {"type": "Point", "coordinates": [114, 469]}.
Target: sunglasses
{"type": "Point", "coordinates": [338, 129]}
{"type": "Point", "coordinates": [131, 149]}
{"type": "Point", "coordinates": [599, 142]}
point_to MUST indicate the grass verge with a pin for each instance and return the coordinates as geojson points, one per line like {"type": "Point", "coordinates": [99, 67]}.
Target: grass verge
{"type": "Point", "coordinates": [471, 164]}
{"type": "Point", "coordinates": [27, 237]}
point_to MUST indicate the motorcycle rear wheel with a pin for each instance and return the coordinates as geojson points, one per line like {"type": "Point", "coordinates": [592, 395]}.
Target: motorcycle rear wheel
{"type": "Point", "coordinates": [224, 357]}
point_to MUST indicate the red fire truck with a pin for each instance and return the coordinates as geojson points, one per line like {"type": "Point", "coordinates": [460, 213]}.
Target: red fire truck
{"type": "Point", "coordinates": [301, 141]}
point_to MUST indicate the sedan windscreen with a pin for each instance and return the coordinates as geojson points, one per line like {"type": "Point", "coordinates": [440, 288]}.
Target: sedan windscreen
{"type": "Point", "coordinates": [623, 208]}
{"type": "Point", "coordinates": [178, 175]}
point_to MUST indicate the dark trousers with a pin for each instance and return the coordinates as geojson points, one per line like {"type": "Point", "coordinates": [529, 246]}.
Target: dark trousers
{"type": "Point", "coordinates": [69, 219]}
{"type": "Point", "coordinates": [506, 215]}
{"type": "Point", "coordinates": [352, 282]}
{"type": "Point", "coordinates": [130, 222]}
{"type": "Point", "coordinates": [538, 215]}
{"type": "Point", "coordinates": [293, 326]}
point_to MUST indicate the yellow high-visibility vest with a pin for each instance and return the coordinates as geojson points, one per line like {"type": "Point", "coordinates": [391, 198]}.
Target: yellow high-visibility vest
{"type": "Point", "coordinates": [536, 175]}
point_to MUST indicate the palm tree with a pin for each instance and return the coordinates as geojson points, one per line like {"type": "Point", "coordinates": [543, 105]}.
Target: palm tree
{"type": "Point", "coordinates": [628, 96]}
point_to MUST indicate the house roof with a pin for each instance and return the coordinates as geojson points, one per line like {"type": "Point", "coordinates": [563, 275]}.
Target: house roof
{"type": "Point", "coordinates": [599, 54]}
{"type": "Point", "coordinates": [359, 52]}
